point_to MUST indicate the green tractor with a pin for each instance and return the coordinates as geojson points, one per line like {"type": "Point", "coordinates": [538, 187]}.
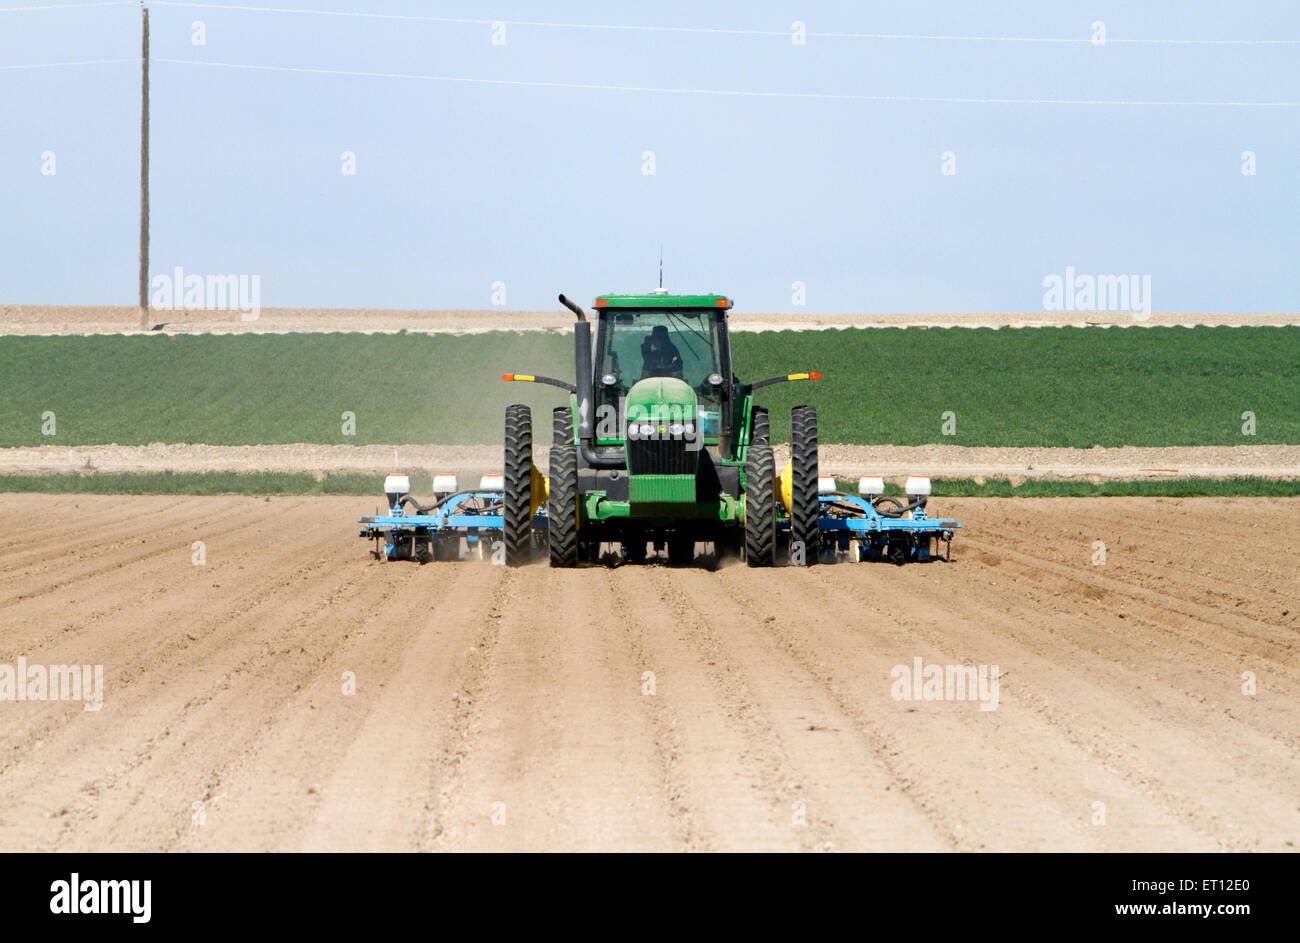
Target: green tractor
{"type": "Point", "coordinates": [660, 444]}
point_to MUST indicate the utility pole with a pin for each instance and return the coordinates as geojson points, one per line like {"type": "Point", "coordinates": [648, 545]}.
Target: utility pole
{"type": "Point", "coordinates": [144, 170]}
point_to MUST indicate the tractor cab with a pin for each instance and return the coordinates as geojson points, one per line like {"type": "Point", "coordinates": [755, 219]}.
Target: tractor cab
{"type": "Point", "coordinates": [665, 351]}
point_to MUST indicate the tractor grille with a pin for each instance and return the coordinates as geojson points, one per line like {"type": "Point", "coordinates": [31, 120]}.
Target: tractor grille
{"type": "Point", "coordinates": [660, 457]}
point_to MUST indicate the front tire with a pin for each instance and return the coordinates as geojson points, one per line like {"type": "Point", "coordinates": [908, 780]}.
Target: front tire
{"type": "Point", "coordinates": [561, 426]}
{"type": "Point", "coordinates": [562, 507]}
{"type": "Point", "coordinates": [517, 513]}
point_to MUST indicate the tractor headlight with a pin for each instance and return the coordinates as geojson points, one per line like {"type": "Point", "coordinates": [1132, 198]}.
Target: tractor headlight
{"type": "Point", "coordinates": [609, 379]}
{"type": "Point", "coordinates": [646, 430]}
{"type": "Point", "coordinates": [715, 379]}
{"type": "Point", "coordinates": [689, 428]}
{"type": "Point", "coordinates": [676, 430]}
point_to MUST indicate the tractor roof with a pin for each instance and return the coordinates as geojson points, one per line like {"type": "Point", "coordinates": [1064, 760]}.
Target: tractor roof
{"type": "Point", "coordinates": [662, 300]}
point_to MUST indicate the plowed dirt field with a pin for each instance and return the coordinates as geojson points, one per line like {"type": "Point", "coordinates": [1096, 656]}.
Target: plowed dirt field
{"type": "Point", "coordinates": [651, 708]}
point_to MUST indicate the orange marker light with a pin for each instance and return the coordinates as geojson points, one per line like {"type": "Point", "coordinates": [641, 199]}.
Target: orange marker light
{"type": "Point", "coordinates": [815, 375]}
{"type": "Point", "coordinates": [507, 377]}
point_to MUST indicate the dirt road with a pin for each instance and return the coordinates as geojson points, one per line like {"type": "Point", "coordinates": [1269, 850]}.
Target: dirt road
{"type": "Point", "coordinates": [107, 319]}
{"type": "Point", "coordinates": [845, 461]}
{"type": "Point", "coordinates": [512, 709]}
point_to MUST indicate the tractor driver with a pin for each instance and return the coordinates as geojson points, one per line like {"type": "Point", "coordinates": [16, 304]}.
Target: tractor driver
{"type": "Point", "coordinates": [659, 356]}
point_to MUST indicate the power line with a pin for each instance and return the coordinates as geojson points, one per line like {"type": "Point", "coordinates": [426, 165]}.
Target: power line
{"type": "Point", "coordinates": [69, 6]}
{"type": "Point", "coordinates": [739, 93]}
{"type": "Point", "coordinates": [918, 37]}
{"type": "Point", "coordinates": [1208, 42]}
{"type": "Point", "coordinates": [1085, 41]}
{"type": "Point", "coordinates": [470, 20]}
{"type": "Point", "coordinates": [627, 27]}
{"type": "Point", "coordinates": [55, 65]}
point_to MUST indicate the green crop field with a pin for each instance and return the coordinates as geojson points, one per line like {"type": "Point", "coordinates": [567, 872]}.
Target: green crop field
{"type": "Point", "coordinates": [1041, 387]}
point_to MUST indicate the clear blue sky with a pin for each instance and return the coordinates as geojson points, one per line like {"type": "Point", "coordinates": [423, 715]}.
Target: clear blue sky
{"type": "Point", "coordinates": [460, 185]}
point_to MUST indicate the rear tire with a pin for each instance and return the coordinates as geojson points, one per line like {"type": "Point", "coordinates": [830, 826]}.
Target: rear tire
{"type": "Point", "coordinates": [561, 426]}
{"type": "Point", "coordinates": [562, 507]}
{"type": "Point", "coordinates": [517, 514]}
{"type": "Point", "coordinates": [760, 426]}
{"type": "Point", "coordinates": [805, 509]}
{"type": "Point", "coordinates": [760, 509]}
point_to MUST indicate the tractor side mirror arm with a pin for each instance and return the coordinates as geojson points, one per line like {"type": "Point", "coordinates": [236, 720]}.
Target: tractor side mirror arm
{"type": "Point", "coordinates": [811, 375]}
{"type": "Point", "coordinates": [530, 378]}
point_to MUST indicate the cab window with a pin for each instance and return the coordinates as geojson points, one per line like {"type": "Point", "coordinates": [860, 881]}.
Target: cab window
{"type": "Point", "coordinates": [644, 344]}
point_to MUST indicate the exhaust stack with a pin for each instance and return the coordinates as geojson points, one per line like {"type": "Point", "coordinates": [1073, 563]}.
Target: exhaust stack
{"type": "Point", "coordinates": [583, 371]}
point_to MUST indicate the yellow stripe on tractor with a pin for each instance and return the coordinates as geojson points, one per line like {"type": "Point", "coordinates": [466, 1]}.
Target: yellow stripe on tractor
{"type": "Point", "coordinates": [541, 486]}
{"type": "Point", "coordinates": [785, 486]}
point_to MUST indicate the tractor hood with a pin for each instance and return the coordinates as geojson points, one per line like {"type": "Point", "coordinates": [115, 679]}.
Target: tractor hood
{"type": "Point", "coordinates": [661, 440]}
{"type": "Point", "coordinates": [661, 399]}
